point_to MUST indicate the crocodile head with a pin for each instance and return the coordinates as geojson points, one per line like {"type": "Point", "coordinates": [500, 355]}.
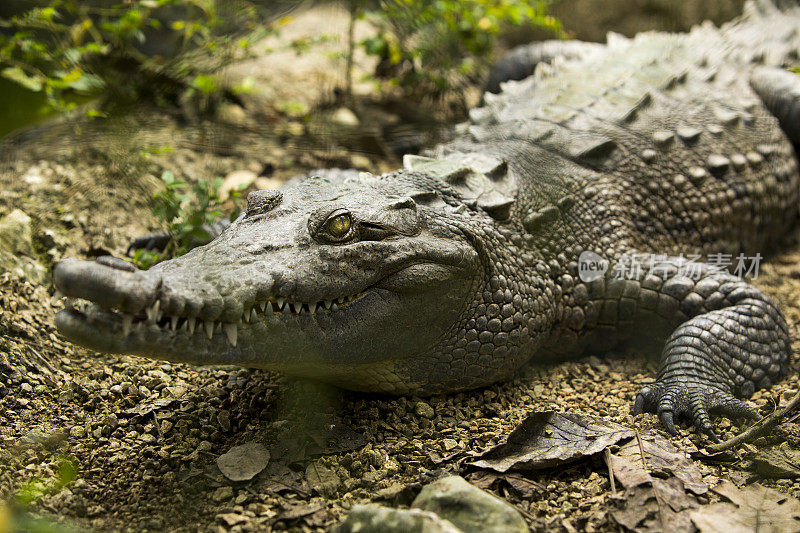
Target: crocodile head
{"type": "Point", "coordinates": [339, 278]}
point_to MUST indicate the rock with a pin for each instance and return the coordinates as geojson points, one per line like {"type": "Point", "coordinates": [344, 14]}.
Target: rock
{"type": "Point", "coordinates": [468, 507]}
{"type": "Point", "coordinates": [268, 184]}
{"type": "Point", "coordinates": [449, 444]}
{"type": "Point", "coordinates": [424, 410]}
{"type": "Point", "coordinates": [17, 254]}
{"type": "Point", "coordinates": [222, 494]}
{"type": "Point", "coordinates": [224, 421]}
{"type": "Point", "coordinates": [361, 162]}
{"type": "Point", "coordinates": [33, 177]}
{"type": "Point", "coordinates": [295, 129]}
{"type": "Point", "coordinates": [345, 117]}
{"type": "Point", "coordinates": [244, 462]}
{"type": "Point", "coordinates": [231, 519]}
{"type": "Point", "coordinates": [236, 180]}
{"type": "Point", "coordinates": [374, 518]}
{"type": "Point", "coordinates": [232, 114]}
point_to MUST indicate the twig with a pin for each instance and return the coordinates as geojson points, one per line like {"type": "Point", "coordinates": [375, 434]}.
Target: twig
{"type": "Point", "coordinates": [661, 514]}
{"type": "Point", "coordinates": [607, 455]}
{"type": "Point", "coordinates": [758, 428]}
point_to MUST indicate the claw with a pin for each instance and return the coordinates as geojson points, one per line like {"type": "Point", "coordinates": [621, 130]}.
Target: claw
{"type": "Point", "coordinates": [638, 404]}
{"type": "Point", "coordinates": [692, 400]}
{"type": "Point", "coordinates": [667, 421]}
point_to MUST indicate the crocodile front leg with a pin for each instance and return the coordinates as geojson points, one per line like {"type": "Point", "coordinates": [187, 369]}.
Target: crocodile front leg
{"type": "Point", "coordinates": [732, 339]}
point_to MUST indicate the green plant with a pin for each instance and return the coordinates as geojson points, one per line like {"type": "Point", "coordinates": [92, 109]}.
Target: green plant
{"type": "Point", "coordinates": [187, 213]}
{"type": "Point", "coordinates": [433, 46]}
{"type": "Point", "coordinates": [75, 50]}
{"type": "Point", "coordinates": [35, 488]}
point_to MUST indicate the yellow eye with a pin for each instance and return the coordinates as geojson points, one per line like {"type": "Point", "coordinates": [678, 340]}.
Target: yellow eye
{"type": "Point", "coordinates": [339, 226]}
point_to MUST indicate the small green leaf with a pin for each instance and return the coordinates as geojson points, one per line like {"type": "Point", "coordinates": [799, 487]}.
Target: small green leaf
{"type": "Point", "coordinates": [205, 84]}
{"type": "Point", "coordinates": [47, 13]}
{"type": "Point", "coordinates": [17, 75]}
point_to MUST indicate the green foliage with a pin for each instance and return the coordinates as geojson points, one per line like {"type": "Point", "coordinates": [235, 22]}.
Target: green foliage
{"type": "Point", "coordinates": [186, 212]}
{"type": "Point", "coordinates": [74, 50]}
{"type": "Point", "coordinates": [35, 488]}
{"type": "Point", "coordinates": [434, 44]}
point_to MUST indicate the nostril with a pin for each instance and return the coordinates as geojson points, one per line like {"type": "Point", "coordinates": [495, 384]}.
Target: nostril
{"type": "Point", "coordinates": [116, 262]}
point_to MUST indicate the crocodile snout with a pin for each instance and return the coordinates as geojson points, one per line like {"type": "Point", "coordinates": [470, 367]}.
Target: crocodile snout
{"type": "Point", "coordinates": [108, 282]}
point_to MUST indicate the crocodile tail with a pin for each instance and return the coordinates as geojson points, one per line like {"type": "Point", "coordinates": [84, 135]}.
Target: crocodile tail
{"type": "Point", "coordinates": [768, 33]}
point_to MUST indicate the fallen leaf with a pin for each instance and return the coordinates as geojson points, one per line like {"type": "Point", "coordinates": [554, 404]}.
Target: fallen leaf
{"type": "Point", "coordinates": [300, 510]}
{"type": "Point", "coordinates": [781, 462]}
{"type": "Point", "coordinates": [323, 479]}
{"type": "Point", "coordinates": [754, 508]}
{"type": "Point", "coordinates": [520, 486]}
{"type": "Point", "coordinates": [342, 439]}
{"type": "Point", "coordinates": [655, 503]}
{"type": "Point", "coordinates": [231, 519]}
{"type": "Point", "coordinates": [244, 462]}
{"type": "Point", "coordinates": [148, 407]}
{"type": "Point", "coordinates": [546, 439]}
{"type": "Point", "coordinates": [660, 456]}
{"type": "Point", "coordinates": [660, 507]}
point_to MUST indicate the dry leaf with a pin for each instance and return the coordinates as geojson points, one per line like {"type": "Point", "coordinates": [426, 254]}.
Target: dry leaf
{"type": "Point", "coordinates": [244, 462]}
{"type": "Point", "coordinates": [782, 462]}
{"type": "Point", "coordinates": [754, 508]}
{"type": "Point", "coordinates": [660, 456]}
{"type": "Point", "coordinates": [546, 439]}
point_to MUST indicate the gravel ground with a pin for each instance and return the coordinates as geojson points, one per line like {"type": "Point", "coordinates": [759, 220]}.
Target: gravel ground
{"type": "Point", "coordinates": [145, 435]}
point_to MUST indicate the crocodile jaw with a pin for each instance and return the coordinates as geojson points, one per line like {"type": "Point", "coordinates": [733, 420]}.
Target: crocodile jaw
{"type": "Point", "coordinates": [275, 334]}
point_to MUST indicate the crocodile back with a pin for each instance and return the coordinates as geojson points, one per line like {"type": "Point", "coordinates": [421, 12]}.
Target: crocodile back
{"type": "Point", "coordinates": [676, 152]}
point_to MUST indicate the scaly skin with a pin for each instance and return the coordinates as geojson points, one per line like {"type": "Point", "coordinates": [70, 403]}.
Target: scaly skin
{"type": "Point", "coordinates": [452, 273]}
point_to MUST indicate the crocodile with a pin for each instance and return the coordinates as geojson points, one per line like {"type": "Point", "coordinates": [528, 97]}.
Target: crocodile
{"type": "Point", "coordinates": [514, 241]}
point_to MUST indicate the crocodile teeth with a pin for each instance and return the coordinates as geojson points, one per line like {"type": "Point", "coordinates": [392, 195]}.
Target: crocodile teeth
{"type": "Point", "coordinates": [127, 323]}
{"type": "Point", "coordinates": [313, 309]}
{"type": "Point", "coordinates": [209, 327]}
{"type": "Point", "coordinates": [245, 317]}
{"type": "Point", "coordinates": [280, 303]}
{"type": "Point", "coordinates": [334, 307]}
{"type": "Point", "coordinates": [173, 323]}
{"type": "Point", "coordinates": [230, 331]}
{"type": "Point", "coordinates": [328, 304]}
{"type": "Point", "coordinates": [253, 315]}
{"type": "Point", "coordinates": [264, 307]}
{"type": "Point", "coordinates": [57, 296]}
{"type": "Point", "coordinates": [154, 312]}
{"type": "Point", "coordinates": [192, 324]}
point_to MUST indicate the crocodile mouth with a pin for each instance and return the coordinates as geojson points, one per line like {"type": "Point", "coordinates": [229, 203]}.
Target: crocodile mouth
{"type": "Point", "coordinates": [152, 318]}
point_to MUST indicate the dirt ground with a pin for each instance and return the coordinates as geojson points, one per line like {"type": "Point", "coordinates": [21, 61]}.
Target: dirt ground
{"type": "Point", "coordinates": [144, 435]}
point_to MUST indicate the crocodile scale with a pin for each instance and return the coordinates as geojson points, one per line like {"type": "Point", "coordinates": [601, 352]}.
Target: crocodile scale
{"type": "Point", "coordinates": [465, 264]}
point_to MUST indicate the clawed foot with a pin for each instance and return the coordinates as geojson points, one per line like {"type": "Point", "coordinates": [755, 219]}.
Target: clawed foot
{"type": "Point", "coordinates": [690, 400]}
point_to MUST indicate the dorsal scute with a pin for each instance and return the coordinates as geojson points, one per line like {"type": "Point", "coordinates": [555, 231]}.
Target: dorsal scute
{"type": "Point", "coordinates": [482, 179]}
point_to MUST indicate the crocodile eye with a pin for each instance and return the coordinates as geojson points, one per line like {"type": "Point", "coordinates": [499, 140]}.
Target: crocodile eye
{"type": "Point", "coordinates": [339, 226]}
